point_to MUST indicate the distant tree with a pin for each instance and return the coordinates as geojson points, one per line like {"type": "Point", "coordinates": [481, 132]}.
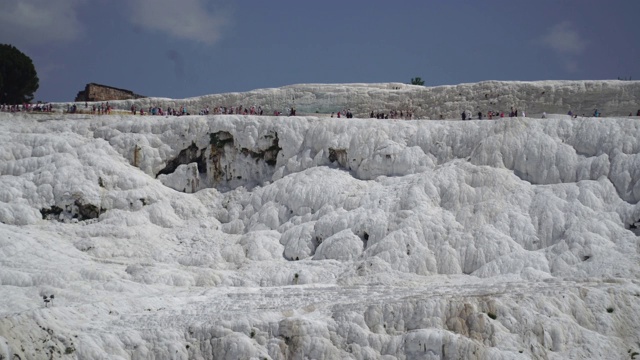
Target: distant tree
{"type": "Point", "coordinates": [417, 81]}
{"type": "Point", "coordinates": [18, 77]}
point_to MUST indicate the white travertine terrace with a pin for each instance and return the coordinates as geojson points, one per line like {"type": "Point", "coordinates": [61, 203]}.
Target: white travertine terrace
{"type": "Point", "coordinates": [241, 237]}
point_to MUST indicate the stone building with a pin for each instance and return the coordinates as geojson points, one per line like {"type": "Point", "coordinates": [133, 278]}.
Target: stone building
{"type": "Point", "coordinates": [97, 92]}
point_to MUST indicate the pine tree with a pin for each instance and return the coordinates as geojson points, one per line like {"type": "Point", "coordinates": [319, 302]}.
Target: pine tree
{"type": "Point", "coordinates": [18, 77]}
{"type": "Point", "coordinates": [417, 81]}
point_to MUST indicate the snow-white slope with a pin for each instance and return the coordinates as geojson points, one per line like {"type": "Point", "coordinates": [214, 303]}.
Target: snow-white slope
{"type": "Point", "coordinates": [237, 237]}
{"type": "Point", "coordinates": [610, 97]}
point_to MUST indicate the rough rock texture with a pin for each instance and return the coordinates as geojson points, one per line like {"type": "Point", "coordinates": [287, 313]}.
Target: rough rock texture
{"type": "Point", "coordinates": [309, 237]}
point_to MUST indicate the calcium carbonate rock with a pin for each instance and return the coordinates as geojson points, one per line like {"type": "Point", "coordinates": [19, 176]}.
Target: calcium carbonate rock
{"type": "Point", "coordinates": [324, 238]}
{"type": "Point", "coordinates": [344, 245]}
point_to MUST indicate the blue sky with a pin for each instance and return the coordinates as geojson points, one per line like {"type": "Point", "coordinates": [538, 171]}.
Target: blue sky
{"type": "Point", "coordinates": [185, 48]}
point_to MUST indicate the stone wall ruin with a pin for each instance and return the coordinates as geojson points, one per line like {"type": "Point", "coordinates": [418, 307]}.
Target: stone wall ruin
{"type": "Point", "coordinates": [97, 92]}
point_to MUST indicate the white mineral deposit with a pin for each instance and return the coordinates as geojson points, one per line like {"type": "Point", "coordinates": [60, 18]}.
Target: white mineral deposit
{"type": "Point", "coordinates": [312, 237]}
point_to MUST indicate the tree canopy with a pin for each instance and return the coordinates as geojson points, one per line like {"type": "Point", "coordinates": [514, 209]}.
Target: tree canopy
{"type": "Point", "coordinates": [18, 77]}
{"type": "Point", "coordinates": [417, 81]}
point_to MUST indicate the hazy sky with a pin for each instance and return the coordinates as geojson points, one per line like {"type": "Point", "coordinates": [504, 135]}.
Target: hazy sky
{"type": "Point", "coordinates": [184, 48]}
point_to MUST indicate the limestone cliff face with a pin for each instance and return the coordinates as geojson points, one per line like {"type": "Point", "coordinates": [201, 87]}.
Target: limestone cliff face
{"type": "Point", "coordinates": [97, 92]}
{"type": "Point", "coordinates": [610, 97]}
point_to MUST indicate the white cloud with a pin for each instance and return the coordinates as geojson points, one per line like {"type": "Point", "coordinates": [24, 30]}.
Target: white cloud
{"type": "Point", "coordinates": [565, 40]}
{"type": "Point", "coordinates": [567, 43]}
{"type": "Point", "coordinates": [29, 22]}
{"type": "Point", "coordinates": [186, 19]}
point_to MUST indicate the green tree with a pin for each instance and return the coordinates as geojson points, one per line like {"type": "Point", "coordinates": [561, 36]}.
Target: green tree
{"type": "Point", "coordinates": [417, 81]}
{"type": "Point", "coordinates": [18, 77]}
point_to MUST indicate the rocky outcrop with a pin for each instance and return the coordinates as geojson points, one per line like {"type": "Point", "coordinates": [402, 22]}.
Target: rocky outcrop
{"type": "Point", "coordinates": [221, 164]}
{"type": "Point", "coordinates": [97, 92]}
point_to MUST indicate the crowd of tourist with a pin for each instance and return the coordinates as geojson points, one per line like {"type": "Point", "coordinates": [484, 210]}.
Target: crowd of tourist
{"type": "Point", "coordinates": [106, 109]}
{"type": "Point", "coordinates": [489, 115]}
{"type": "Point", "coordinates": [99, 109]}
{"type": "Point", "coordinates": [156, 110]}
{"type": "Point", "coordinates": [27, 107]}
{"type": "Point", "coordinates": [393, 114]}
